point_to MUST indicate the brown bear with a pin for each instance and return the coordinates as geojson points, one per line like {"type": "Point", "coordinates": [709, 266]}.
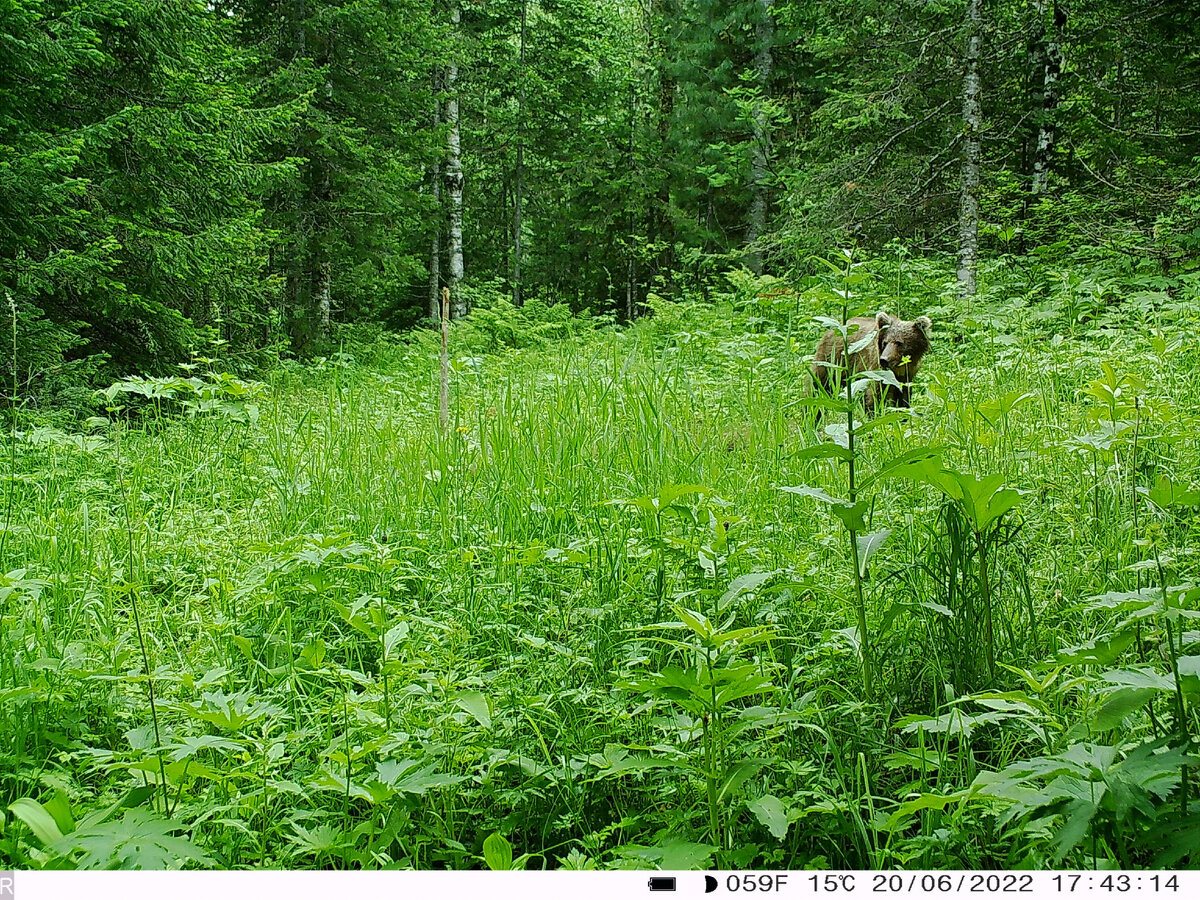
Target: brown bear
{"type": "Point", "coordinates": [898, 347]}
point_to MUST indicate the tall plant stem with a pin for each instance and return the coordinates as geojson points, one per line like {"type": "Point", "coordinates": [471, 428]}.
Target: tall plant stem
{"type": "Point", "coordinates": [860, 606]}
{"type": "Point", "coordinates": [985, 591]}
{"type": "Point", "coordinates": [137, 624]}
{"type": "Point", "coordinates": [444, 371]}
{"type": "Point", "coordinates": [12, 435]}
{"type": "Point", "coordinates": [1181, 719]}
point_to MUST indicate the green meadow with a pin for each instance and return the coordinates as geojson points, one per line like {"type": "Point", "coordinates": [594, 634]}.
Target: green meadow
{"type": "Point", "coordinates": [632, 606]}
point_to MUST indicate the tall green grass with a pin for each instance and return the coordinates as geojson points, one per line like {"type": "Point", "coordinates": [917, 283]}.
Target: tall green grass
{"type": "Point", "coordinates": [296, 623]}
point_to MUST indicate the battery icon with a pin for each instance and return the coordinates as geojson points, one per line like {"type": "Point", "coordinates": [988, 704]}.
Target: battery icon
{"type": "Point", "coordinates": [662, 883]}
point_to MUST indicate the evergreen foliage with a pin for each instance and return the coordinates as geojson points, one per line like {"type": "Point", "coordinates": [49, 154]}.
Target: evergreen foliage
{"type": "Point", "coordinates": [631, 595]}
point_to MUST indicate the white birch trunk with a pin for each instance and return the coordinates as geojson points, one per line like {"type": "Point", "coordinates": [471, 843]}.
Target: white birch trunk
{"type": "Point", "coordinates": [454, 174]}
{"type": "Point", "coordinates": [968, 227]}
{"type": "Point", "coordinates": [764, 33]}
{"type": "Point", "coordinates": [1049, 56]}
{"type": "Point", "coordinates": [323, 295]}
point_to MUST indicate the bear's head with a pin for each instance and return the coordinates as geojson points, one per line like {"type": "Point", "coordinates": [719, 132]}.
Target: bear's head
{"type": "Point", "coordinates": [902, 344]}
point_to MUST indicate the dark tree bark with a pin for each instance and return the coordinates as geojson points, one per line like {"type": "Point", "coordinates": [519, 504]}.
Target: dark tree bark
{"type": "Point", "coordinates": [519, 175]}
{"type": "Point", "coordinates": [1048, 67]}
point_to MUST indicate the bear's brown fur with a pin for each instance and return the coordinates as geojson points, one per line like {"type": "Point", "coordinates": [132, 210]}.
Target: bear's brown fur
{"type": "Point", "coordinates": [898, 347]}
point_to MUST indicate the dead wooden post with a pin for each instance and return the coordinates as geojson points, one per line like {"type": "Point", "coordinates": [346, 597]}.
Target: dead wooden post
{"type": "Point", "coordinates": [445, 395]}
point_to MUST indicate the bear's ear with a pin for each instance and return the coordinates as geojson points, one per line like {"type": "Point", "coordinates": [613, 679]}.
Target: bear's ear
{"type": "Point", "coordinates": [882, 320]}
{"type": "Point", "coordinates": [925, 324]}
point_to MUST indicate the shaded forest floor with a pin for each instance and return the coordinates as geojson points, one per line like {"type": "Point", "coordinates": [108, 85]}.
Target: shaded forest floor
{"type": "Point", "coordinates": [584, 626]}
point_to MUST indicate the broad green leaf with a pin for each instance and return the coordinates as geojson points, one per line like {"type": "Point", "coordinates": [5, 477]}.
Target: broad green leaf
{"type": "Point", "coordinates": [59, 806]}
{"type": "Point", "coordinates": [476, 704]}
{"type": "Point", "coordinates": [193, 744]}
{"type": "Point", "coordinates": [617, 761]}
{"type": "Point", "coordinates": [929, 801]}
{"type": "Point", "coordinates": [839, 433]}
{"type": "Point", "coordinates": [38, 818]}
{"type": "Point", "coordinates": [743, 584]}
{"type": "Point", "coordinates": [821, 400]}
{"type": "Point", "coordinates": [420, 781]}
{"type": "Point", "coordinates": [954, 722]}
{"type": "Point", "coordinates": [679, 855]}
{"type": "Point", "coordinates": [1119, 705]}
{"type": "Point", "coordinates": [1098, 652]}
{"type": "Point", "coordinates": [394, 635]}
{"type": "Point", "coordinates": [905, 464]}
{"type": "Point", "coordinates": [139, 840]}
{"type": "Point", "coordinates": [1189, 666]}
{"type": "Point", "coordinates": [322, 838]}
{"type": "Point", "coordinates": [739, 775]}
{"type": "Point", "coordinates": [497, 853]}
{"type": "Point", "coordinates": [696, 622]}
{"type": "Point", "coordinates": [813, 493]}
{"type": "Point", "coordinates": [672, 492]}
{"type": "Point", "coordinates": [746, 685]}
{"type": "Point", "coordinates": [825, 320]}
{"type": "Point", "coordinates": [868, 544]}
{"type": "Point", "coordinates": [1140, 678]}
{"type": "Point", "coordinates": [824, 451]}
{"type": "Point", "coordinates": [861, 343]}
{"type": "Point", "coordinates": [1166, 494]}
{"type": "Point", "coordinates": [769, 810]}
{"type": "Point", "coordinates": [1079, 816]}
{"type": "Point", "coordinates": [883, 376]}
{"type": "Point", "coordinates": [853, 517]}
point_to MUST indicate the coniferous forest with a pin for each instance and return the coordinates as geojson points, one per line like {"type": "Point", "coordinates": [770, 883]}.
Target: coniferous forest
{"type": "Point", "coordinates": [433, 438]}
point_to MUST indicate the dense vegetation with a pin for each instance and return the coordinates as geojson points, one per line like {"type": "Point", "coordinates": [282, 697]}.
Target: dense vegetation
{"type": "Point", "coordinates": [645, 600]}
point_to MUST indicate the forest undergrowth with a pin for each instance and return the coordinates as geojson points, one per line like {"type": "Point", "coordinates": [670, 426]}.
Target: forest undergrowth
{"type": "Point", "coordinates": [629, 608]}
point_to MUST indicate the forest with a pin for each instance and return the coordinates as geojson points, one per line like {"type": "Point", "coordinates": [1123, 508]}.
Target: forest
{"type": "Point", "coordinates": [415, 452]}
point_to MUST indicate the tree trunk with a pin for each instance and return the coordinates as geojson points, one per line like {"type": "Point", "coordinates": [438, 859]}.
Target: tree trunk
{"type": "Point", "coordinates": [435, 243]}
{"type": "Point", "coordinates": [663, 230]}
{"type": "Point", "coordinates": [1048, 54]}
{"type": "Point", "coordinates": [631, 285]}
{"type": "Point", "coordinates": [323, 298]}
{"type": "Point", "coordinates": [297, 296]}
{"type": "Point", "coordinates": [764, 33]}
{"type": "Point", "coordinates": [968, 227]}
{"type": "Point", "coordinates": [519, 175]}
{"type": "Point", "coordinates": [321, 263]}
{"type": "Point", "coordinates": [454, 173]}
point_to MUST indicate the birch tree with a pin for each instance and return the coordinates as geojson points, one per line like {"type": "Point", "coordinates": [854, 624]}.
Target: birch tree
{"type": "Point", "coordinates": [454, 172]}
{"type": "Point", "coordinates": [1047, 56]}
{"type": "Point", "coordinates": [968, 222]}
{"type": "Point", "coordinates": [764, 32]}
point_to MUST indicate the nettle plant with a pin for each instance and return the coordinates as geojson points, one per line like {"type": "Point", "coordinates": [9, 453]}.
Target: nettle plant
{"type": "Point", "coordinates": [713, 677]}
{"type": "Point", "coordinates": [852, 510]}
{"type": "Point", "coordinates": [720, 737]}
